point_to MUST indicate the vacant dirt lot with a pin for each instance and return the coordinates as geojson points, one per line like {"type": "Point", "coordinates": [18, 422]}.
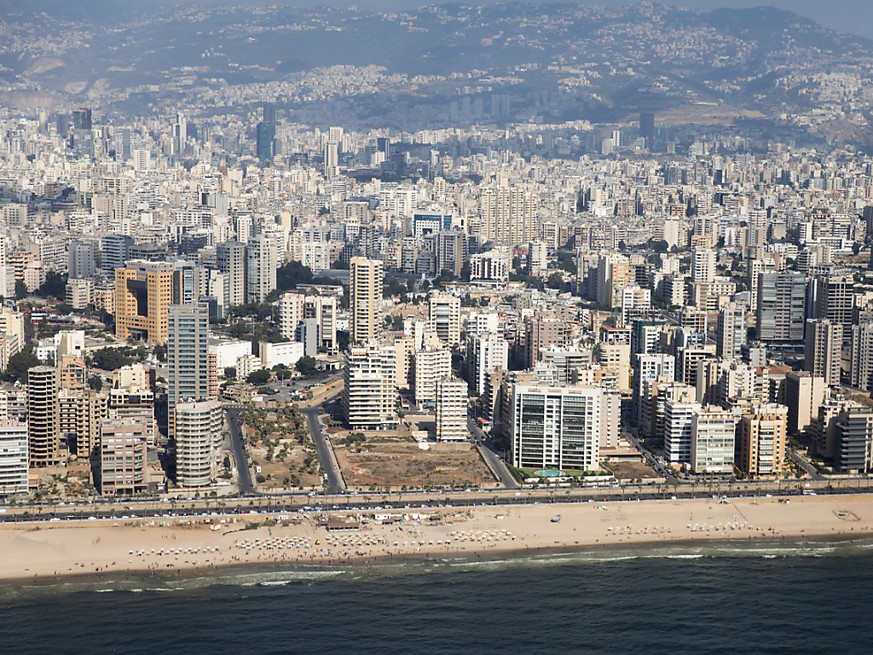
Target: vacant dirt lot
{"type": "Point", "coordinates": [400, 462]}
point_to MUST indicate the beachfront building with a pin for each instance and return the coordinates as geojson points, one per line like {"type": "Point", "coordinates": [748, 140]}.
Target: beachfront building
{"type": "Point", "coordinates": [43, 419]}
{"type": "Point", "coordinates": [556, 427]}
{"type": "Point", "coordinates": [13, 458]}
{"type": "Point", "coordinates": [369, 394]}
{"type": "Point", "coordinates": [713, 436]}
{"type": "Point", "coordinates": [187, 356]}
{"type": "Point", "coordinates": [678, 419]}
{"type": "Point", "coordinates": [855, 440]}
{"type": "Point", "coordinates": [199, 432]}
{"type": "Point", "coordinates": [762, 439]}
{"type": "Point", "coordinates": [123, 457]}
{"type": "Point", "coordinates": [451, 410]}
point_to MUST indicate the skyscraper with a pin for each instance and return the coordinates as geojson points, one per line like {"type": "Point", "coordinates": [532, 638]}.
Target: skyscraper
{"type": "Point", "coordinates": [187, 357]}
{"type": "Point", "coordinates": [647, 127]}
{"type": "Point", "coordinates": [823, 349]}
{"type": "Point", "coordinates": [265, 133]}
{"type": "Point", "coordinates": [113, 251]}
{"type": "Point", "coordinates": [369, 393]}
{"type": "Point", "coordinates": [732, 331]}
{"type": "Point", "coordinates": [81, 258]}
{"type": "Point", "coordinates": [781, 307]}
{"type": "Point", "coordinates": [365, 299]}
{"type": "Point", "coordinates": [231, 259]}
{"type": "Point", "coordinates": [43, 421]}
{"type": "Point", "coordinates": [260, 268]}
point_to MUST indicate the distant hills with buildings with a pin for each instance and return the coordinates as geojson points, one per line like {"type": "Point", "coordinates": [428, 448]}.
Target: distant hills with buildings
{"type": "Point", "coordinates": [545, 63]}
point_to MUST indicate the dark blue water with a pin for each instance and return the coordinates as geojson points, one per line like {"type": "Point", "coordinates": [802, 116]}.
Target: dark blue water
{"type": "Point", "coordinates": [795, 598]}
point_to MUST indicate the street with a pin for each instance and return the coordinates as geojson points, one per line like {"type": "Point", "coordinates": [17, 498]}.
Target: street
{"type": "Point", "coordinates": [244, 473]}
{"type": "Point", "coordinates": [492, 459]}
{"type": "Point", "coordinates": [334, 482]}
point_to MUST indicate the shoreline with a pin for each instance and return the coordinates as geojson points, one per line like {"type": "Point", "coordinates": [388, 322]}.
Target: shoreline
{"type": "Point", "coordinates": [47, 554]}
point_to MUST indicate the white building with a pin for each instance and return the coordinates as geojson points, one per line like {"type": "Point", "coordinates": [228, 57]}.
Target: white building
{"type": "Point", "coordinates": [13, 458]}
{"type": "Point", "coordinates": [369, 394]}
{"type": "Point", "coordinates": [287, 353]}
{"type": "Point", "coordinates": [556, 427]}
{"type": "Point", "coordinates": [291, 312]}
{"type": "Point", "coordinates": [678, 419]}
{"type": "Point", "coordinates": [431, 364]}
{"type": "Point", "coordinates": [227, 352]}
{"type": "Point", "coordinates": [713, 440]}
{"type": "Point", "coordinates": [451, 410]}
{"type": "Point", "coordinates": [445, 318]}
{"type": "Point", "coordinates": [485, 352]}
{"type": "Point", "coordinates": [199, 432]}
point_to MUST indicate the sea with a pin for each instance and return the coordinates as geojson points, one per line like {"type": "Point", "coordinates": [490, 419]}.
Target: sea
{"type": "Point", "coordinates": [755, 598]}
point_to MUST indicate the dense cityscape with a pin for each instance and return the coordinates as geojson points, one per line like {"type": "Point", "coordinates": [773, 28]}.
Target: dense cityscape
{"type": "Point", "coordinates": [534, 270]}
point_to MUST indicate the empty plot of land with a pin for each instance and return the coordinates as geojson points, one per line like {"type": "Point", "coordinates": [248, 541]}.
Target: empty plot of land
{"type": "Point", "coordinates": [379, 462]}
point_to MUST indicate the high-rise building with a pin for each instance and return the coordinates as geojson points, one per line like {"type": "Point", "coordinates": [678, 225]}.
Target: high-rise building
{"type": "Point", "coordinates": [123, 457]}
{"type": "Point", "coordinates": [678, 421]}
{"type": "Point", "coordinates": [13, 458]}
{"type": "Point", "coordinates": [451, 410]}
{"type": "Point", "coordinates": [703, 265]}
{"type": "Point", "coordinates": [781, 307]}
{"type": "Point", "coordinates": [199, 430]}
{"type": "Point", "coordinates": [485, 352]}
{"type": "Point", "coordinates": [647, 127]}
{"type": "Point", "coordinates": [804, 393]}
{"type": "Point", "coordinates": [43, 421]}
{"type": "Point", "coordinates": [762, 440]}
{"type": "Point", "coordinates": [861, 359]}
{"type": "Point", "coordinates": [114, 249]}
{"type": "Point", "coordinates": [369, 394]}
{"type": "Point", "coordinates": [365, 299]}
{"type": "Point", "coordinates": [823, 349]}
{"type": "Point", "coordinates": [508, 215]}
{"type": "Point", "coordinates": [291, 312]}
{"type": "Point", "coordinates": [445, 317]}
{"type": "Point", "coordinates": [81, 258]}
{"type": "Point", "coordinates": [261, 260]}
{"type": "Point", "coordinates": [833, 297]}
{"type": "Point", "coordinates": [187, 357]}
{"type": "Point", "coordinates": [713, 435]}
{"type": "Point", "coordinates": [732, 331]}
{"type": "Point", "coordinates": [323, 310]}
{"type": "Point", "coordinates": [265, 133]}
{"type": "Point", "coordinates": [431, 365]}
{"type": "Point", "coordinates": [143, 292]}
{"type": "Point", "coordinates": [231, 259]}
{"type": "Point", "coordinates": [452, 251]}
{"type": "Point", "coordinates": [556, 427]}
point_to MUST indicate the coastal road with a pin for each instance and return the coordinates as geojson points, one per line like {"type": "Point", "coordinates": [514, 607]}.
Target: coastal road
{"type": "Point", "coordinates": [492, 459]}
{"type": "Point", "coordinates": [243, 472]}
{"type": "Point", "coordinates": [334, 482]}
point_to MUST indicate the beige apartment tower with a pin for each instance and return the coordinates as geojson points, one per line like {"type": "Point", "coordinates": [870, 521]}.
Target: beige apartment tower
{"type": "Point", "coordinates": [143, 293]}
{"type": "Point", "coordinates": [366, 299]}
{"type": "Point", "coordinates": [451, 410]}
{"type": "Point", "coordinates": [123, 457]}
{"type": "Point", "coordinates": [762, 438]}
{"type": "Point", "coordinates": [43, 421]}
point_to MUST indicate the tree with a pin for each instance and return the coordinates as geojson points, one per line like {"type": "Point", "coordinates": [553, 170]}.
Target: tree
{"type": "Point", "coordinates": [306, 365]}
{"type": "Point", "coordinates": [110, 359]}
{"type": "Point", "coordinates": [555, 281]}
{"type": "Point", "coordinates": [20, 290]}
{"type": "Point", "coordinates": [291, 274]}
{"type": "Point", "coordinates": [95, 383]}
{"type": "Point", "coordinates": [161, 352]}
{"type": "Point", "coordinates": [19, 363]}
{"type": "Point", "coordinates": [230, 372]}
{"type": "Point", "coordinates": [55, 286]}
{"type": "Point", "coordinates": [258, 377]}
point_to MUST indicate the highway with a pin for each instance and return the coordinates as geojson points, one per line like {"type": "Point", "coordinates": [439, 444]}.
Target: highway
{"type": "Point", "coordinates": [130, 508]}
{"type": "Point", "coordinates": [244, 473]}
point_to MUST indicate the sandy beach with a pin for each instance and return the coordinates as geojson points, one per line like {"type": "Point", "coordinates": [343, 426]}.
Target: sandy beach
{"type": "Point", "coordinates": [50, 550]}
